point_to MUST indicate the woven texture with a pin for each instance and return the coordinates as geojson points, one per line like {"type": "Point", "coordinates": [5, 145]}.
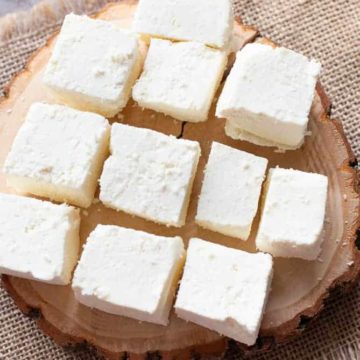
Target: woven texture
{"type": "Point", "coordinates": [328, 30]}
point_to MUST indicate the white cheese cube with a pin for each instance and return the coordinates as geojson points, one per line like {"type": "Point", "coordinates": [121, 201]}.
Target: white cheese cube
{"type": "Point", "coordinates": [58, 153]}
{"type": "Point", "coordinates": [224, 289]}
{"type": "Point", "coordinates": [269, 92]}
{"type": "Point", "coordinates": [130, 273]}
{"type": "Point", "coordinates": [207, 21]}
{"type": "Point", "coordinates": [293, 214]}
{"type": "Point", "coordinates": [38, 240]}
{"type": "Point", "coordinates": [180, 79]}
{"type": "Point", "coordinates": [149, 174]}
{"type": "Point", "coordinates": [93, 65]}
{"type": "Point", "coordinates": [231, 190]}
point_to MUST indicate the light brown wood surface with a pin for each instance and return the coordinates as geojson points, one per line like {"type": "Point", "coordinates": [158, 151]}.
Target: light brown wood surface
{"type": "Point", "coordinates": [299, 287]}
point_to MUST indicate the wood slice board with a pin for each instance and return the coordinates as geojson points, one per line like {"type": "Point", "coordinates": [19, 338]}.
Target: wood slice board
{"type": "Point", "coordinates": [299, 287]}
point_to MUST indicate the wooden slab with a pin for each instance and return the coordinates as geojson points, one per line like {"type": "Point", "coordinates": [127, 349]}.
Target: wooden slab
{"type": "Point", "coordinates": [299, 287]}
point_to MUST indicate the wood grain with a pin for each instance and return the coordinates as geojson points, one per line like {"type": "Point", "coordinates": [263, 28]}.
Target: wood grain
{"type": "Point", "coordinates": [299, 287]}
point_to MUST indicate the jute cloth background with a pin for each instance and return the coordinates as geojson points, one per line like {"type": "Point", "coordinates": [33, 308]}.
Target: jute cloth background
{"type": "Point", "coordinates": [326, 29]}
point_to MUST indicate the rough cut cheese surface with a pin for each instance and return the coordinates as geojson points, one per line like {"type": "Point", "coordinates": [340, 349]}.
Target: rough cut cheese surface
{"type": "Point", "coordinates": [38, 240]}
{"type": "Point", "coordinates": [207, 21]}
{"type": "Point", "coordinates": [149, 174]}
{"type": "Point", "coordinates": [180, 79]}
{"type": "Point", "coordinates": [58, 153]}
{"type": "Point", "coordinates": [269, 92]}
{"type": "Point", "coordinates": [130, 273]}
{"type": "Point", "coordinates": [93, 65]}
{"type": "Point", "coordinates": [224, 289]}
{"type": "Point", "coordinates": [230, 192]}
{"type": "Point", "coordinates": [293, 215]}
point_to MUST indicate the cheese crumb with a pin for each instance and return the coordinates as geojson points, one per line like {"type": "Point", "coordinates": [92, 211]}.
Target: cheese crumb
{"type": "Point", "coordinates": [120, 117]}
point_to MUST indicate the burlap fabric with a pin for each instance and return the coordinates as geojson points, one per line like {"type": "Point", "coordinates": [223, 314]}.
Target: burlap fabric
{"type": "Point", "coordinates": [328, 30]}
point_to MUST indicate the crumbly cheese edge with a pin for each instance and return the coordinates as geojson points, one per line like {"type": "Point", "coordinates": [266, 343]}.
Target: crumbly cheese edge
{"type": "Point", "coordinates": [168, 295]}
{"type": "Point", "coordinates": [71, 247]}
